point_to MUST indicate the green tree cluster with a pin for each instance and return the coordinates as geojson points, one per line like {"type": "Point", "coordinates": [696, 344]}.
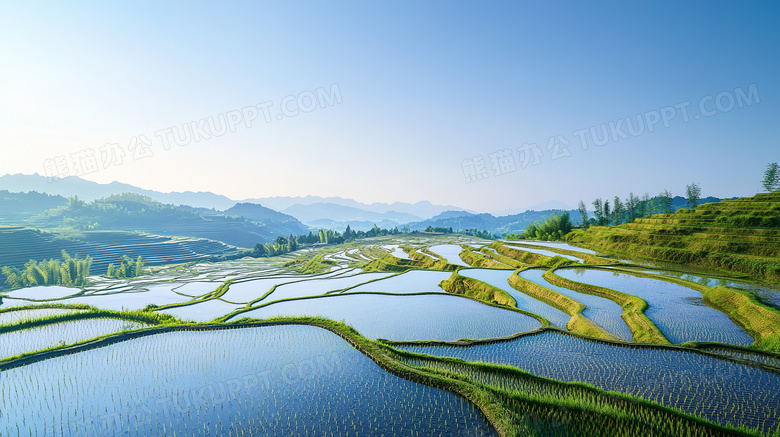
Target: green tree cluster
{"type": "Point", "coordinates": [127, 268]}
{"type": "Point", "coordinates": [553, 229]}
{"type": "Point", "coordinates": [290, 243]}
{"type": "Point", "coordinates": [622, 211]}
{"type": "Point", "coordinates": [442, 229]}
{"type": "Point", "coordinates": [69, 271]}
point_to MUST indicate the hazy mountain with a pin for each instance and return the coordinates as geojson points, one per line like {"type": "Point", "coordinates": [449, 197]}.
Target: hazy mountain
{"type": "Point", "coordinates": [339, 213]}
{"type": "Point", "coordinates": [89, 191]}
{"type": "Point", "coordinates": [355, 225]}
{"type": "Point", "coordinates": [422, 209]}
{"type": "Point", "coordinates": [16, 208]}
{"type": "Point", "coordinates": [286, 224]}
{"type": "Point", "coordinates": [497, 225]}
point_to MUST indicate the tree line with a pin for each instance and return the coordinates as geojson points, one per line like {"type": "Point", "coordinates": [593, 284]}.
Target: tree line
{"type": "Point", "coordinates": [68, 271]}
{"type": "Point", "coordinates": [283, 245]}
{"type": "Point", "coordinates": [633, 207]}
{"type": "Point", "coordinates": [127, 268]}
{"type": "Point", "coordinates": [554, 228]}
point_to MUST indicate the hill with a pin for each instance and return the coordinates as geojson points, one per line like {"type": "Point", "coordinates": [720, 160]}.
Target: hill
{"type": "Point", "coordinates": [23, 244]}
{"type": "Point", "coordinates": [284, 224]}
{"type": "Point", "coordinates": [133, 212]}
{"type": "Point", "coordinates": [18, 207]}
{"type": "Point", "coordinates": [89, 191]}
{"type": "Point", "coordinates": [741, 235]}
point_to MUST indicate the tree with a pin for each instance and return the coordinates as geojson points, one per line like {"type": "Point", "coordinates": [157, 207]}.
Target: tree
{"type": "Point", "coordinates": [605, 213]}
{"type": "Point", "coordinates": [645, 206]}
{"type": "Point", "coordinates": [771, 180]}
{"type": "Point", "coordinates": [583, 214]}
{"type": "Point", "coordinates": [665, 201]}
{"type": "Point", "coordinates": [599, 211]}
{"type": "Point", "coordinates": [693, 195]}
{"type": "Point", "coordinates": [618, 211]}
{"type": "Point", "coordinates": [632, 207]}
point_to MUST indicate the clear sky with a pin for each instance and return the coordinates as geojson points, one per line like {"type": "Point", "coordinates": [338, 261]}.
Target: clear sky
{"type": "Point", "coordinates": [407, 94]}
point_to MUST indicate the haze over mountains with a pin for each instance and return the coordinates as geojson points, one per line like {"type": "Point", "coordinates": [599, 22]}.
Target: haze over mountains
{"type": "Point", "coordinates": [244, 223]}
{"type": "Point", "coordinates": [315, 211]}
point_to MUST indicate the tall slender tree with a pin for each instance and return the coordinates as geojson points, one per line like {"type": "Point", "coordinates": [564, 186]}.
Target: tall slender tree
{"type": "Point", "coordinates": [665, 201]}
{"type": "Point", "coordinates": [598, 207]}
{"type": "Point", "coordinates": [583, 214]}
{"type": "Point", "coordinates": [693, 195]}
{"type": "Point", "coordinates": [618, 211]}
{"type": "Point", "coordinates": [771, 180]}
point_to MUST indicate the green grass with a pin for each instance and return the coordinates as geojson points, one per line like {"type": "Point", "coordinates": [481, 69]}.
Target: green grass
{"type": "Point", "coordinates": [740, 236]}
{"type": "Point", "coordinates": [578, 323]}
{"type": "Point", "coordinates": [642, 328]}
{"type": "Point", "coordinates": [758, 320]}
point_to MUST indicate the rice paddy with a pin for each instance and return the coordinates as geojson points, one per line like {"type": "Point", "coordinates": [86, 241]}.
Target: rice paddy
{"type": "Point", "coordinates": [721, 391]}
{"type": "Point", "coordinates": [498, 279]}
{"type": "Point", "coordinates": [281, 380]}
{"type": "Point", "coordinates": [677, 311]}
{"type": "Point", "coordinates": [412, 317]}
{"type": "Point", "coordinates": [303, 380]}
{"type": "Point", "coordinates": [34, 339]}
{"type": "Point", "coordinates": [602, 311]}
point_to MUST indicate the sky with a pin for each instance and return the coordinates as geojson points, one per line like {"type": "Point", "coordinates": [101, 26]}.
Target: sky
{"type": "Point", "coordinates": [490, 106]}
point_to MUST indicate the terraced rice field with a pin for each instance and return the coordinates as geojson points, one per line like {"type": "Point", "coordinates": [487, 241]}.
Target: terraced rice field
{"type": "Point", "coordinates": [450, 252]}
{"type": "Point", "coordinates": [541, 251]}
{"type": "Point", "coordinates": [602, 311]}
{"type": "Point", "coordinates": [553, 244]}
{"type": "Point", "coordinates": [719, 390]}
{"type": "Point", "coordinates": [677, 311]}
{"type": "Point", "coordinates": [30, 340]}
{"type": "Point", "coordinates": [280, 380]}
{"type": "Point", "coordinates": [498, 279]}
{"type": "Point", "coordinates": [426, 317]}
{"type": "Point", "coordinates": [43, 293]}
{"type": "Point", "coordinates": [415, 281]}
{"type": "Point", "coordinates": [23, 244]}
{"type": "Point", "coordinates": [10, 317]}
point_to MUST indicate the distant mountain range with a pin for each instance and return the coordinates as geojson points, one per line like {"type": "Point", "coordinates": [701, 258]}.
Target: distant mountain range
{"type": "Point", "coordinates": [265, 218]}
{"type": "Point", "coordinates": [513, 223]}
{"type": "Point", "coordinates": [89, 191]}
{"type": "Point", "coordinates": [308, 209]}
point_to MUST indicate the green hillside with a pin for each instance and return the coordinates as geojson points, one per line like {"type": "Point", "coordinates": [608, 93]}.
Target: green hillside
{"type": "Point", "coordinates": [19, 245]}
{"type": "Point", "coordinates": [741, 235]}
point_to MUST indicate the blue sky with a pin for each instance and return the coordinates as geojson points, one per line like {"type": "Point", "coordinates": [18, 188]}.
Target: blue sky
{"type": "Point", "coordinates": [422, 87]}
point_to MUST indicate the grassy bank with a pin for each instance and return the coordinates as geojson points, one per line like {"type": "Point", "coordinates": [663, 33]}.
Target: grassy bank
{"type": "Point", "coordinates": [740, 235]}
{"type": "Point", "coordinates": [643, 330]}
{"type": "Point", "coordinates": [578, 323]}
{"type": "Point", "coordinates": [758, 320]}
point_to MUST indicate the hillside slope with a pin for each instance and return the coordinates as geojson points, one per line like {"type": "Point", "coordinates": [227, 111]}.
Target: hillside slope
{"type": "Point", "coordinates": [20, 245]}
{"type": "Point", "coordinates": [741, 235]}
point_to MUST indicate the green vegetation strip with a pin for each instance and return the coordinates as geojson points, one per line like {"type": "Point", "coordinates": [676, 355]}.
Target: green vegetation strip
{"type": "Point", "coordinates": [578, 322]}
{"type": "Point", "coordinates": [643, 329]}
{"type": "Point", "coordinates": [147, 317]}
{"type": "Point", "coordinates": [586, 257]}
{"type": "Point", "coordinates": [570, 408]}
{"type": "Point", "coordinates": [485, 261]}
{"type": "Point", "coordinates": [530, 257]}
{"type": "Point", "coordinates": [477, 289]}
{"type": "Point", "coordinates": [216, 294]}
{"type": "Point", "coordinates": [758, 320]}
